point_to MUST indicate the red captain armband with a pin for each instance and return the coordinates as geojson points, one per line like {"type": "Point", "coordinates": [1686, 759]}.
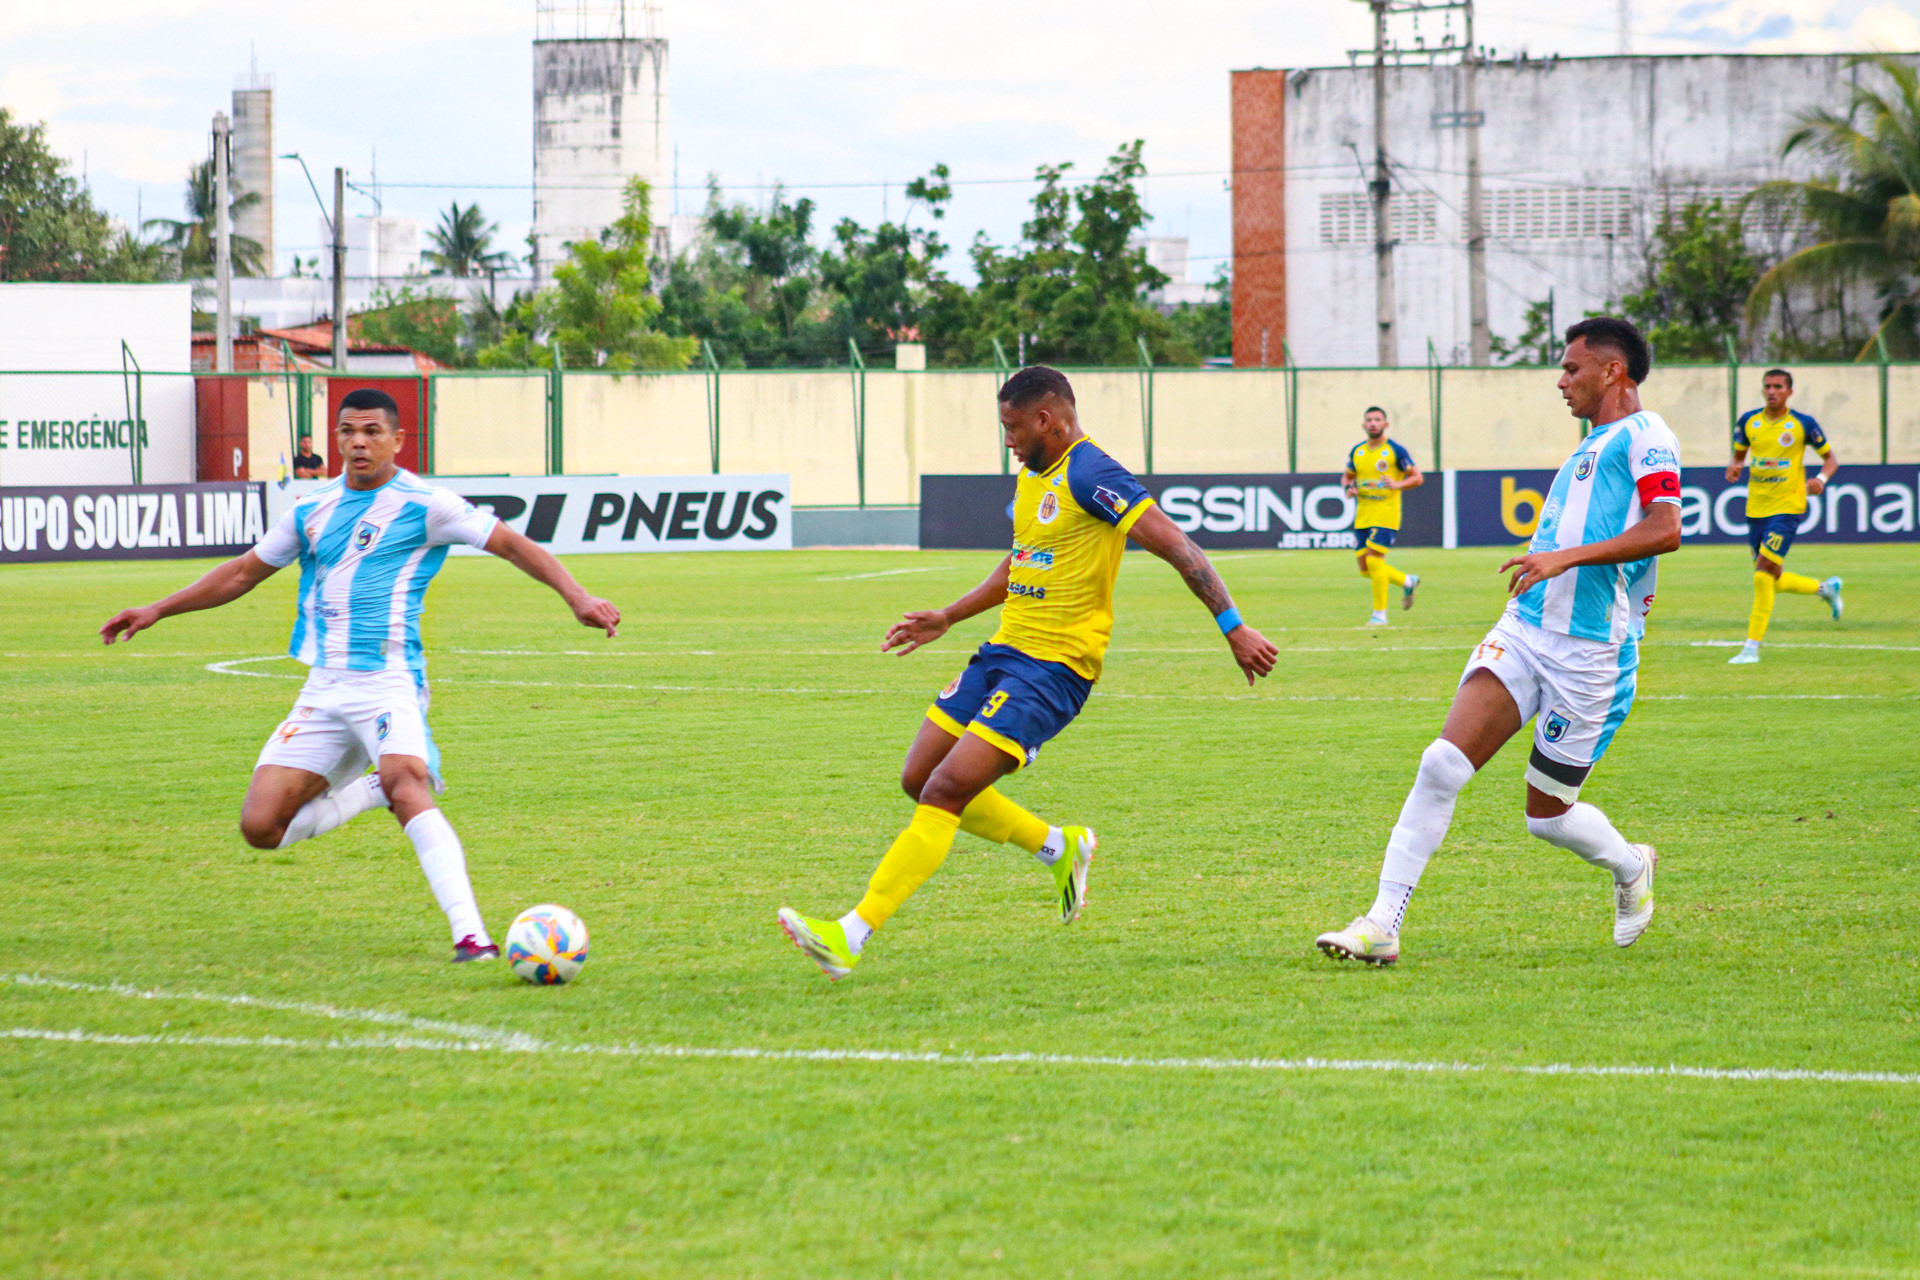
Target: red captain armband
{"type": "Point", "coordinates": [1660, 484]}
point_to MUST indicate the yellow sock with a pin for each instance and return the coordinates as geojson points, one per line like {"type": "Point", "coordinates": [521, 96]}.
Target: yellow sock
{"type": "Point", "coordinates": [1762, 606]}
{"type": "Point", "coordinates": [993, 817]}
{"type": "Point", "coordinates": [1798, 584]}
{"type": "Point", "coordinates": [916, 854]}
{"type": "Point", "coordinates": [1394, 576]}
{"type": "Point", "coordinates": [1378, 571]}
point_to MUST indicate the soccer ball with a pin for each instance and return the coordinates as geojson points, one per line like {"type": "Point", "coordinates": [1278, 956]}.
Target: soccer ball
{"type": "Point", "coordinates": [546, 945]}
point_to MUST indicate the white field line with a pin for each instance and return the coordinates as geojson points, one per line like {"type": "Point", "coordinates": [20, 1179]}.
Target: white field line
{"type": "Point", "coordinates": [892, 573]}
{"type": "Point", "coordinates": [1794, 644]}
{"type": "Point", "coordinates": [232, 666]}
{"type": "Point", "coordinates": [483, 1040]}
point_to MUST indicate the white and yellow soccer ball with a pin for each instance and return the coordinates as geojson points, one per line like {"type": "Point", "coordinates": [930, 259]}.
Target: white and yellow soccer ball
{"type": "Point", "coordinates": [547, 945]}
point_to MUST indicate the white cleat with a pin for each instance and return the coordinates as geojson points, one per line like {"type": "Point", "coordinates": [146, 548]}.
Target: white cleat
{"type": "Point", "coordinates": [1830, 592]}
{"type": "Point", "coordinates": [1363, 940]}
{"type": "Point", "coordinates": [1633, 901]}
{"type": "Point", "coordinates": [1749, 652]}
{"type": "Point", "coordinates": [1379, 618]}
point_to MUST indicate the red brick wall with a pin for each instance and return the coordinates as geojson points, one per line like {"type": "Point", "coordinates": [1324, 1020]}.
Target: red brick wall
{"type": "Point", "coordinates": [1259, 215]}
{"type": "Point", "coordinates": [220, 428]}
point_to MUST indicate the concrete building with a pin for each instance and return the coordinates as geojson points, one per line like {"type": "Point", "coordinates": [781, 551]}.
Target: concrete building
{"type": "Point", "coordinates": [1580, 159]}
{"type": "Point", "coordinates": [253, 161]}
{"type": "Point", "coordinates": [599, 118]}
{"type": "Point", "coordinates": [379, 248]}
{"type": "Point", "coordinates": [1168, 254]}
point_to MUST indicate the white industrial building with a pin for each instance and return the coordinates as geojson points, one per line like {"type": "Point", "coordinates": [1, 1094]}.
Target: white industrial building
{"type": "Point", "coordinates": [599, 118]}
{"type": "Point", "coordinates": [1580, 157]}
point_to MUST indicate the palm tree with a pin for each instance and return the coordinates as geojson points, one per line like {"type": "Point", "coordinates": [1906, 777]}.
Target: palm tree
{"type": "Point", "coordinates": [1869, 216]}
{"type": "Point", "coordinates": [193, 239]}
{"type": "Point", "coordinates": [463, 242]}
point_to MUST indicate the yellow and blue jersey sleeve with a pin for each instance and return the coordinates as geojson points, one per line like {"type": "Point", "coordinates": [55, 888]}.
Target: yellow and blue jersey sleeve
{"type": "Point", "coordinates": [1070, 527]}
{"type": "Point", "coordinates": [1776, 472]}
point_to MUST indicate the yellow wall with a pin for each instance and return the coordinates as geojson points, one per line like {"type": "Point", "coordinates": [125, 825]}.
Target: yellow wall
{"type": "Point", "coordinates": [940, 422]}
{"type": "Point", "coordinates": [269, 439]}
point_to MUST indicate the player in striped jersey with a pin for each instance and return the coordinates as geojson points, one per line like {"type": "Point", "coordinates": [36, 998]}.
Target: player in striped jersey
{"type": "Point", "coordinates": [368, 544]}
{"type": "Point", "coordinates": [1565, 654]}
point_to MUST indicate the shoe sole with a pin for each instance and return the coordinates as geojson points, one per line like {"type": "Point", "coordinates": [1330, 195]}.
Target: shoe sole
{"type": "Point", "coordinates": [1652, 856]}
{"type": "Point", "coordinates": [1334, 951]}
{"type": "Point", "coordinates": [1081, 870]}
{"type": "Point", "coordinates": [828, 964]}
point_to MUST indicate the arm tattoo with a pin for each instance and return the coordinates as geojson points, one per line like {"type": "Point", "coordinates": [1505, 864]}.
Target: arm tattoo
{"type": "Point", "coordinates": [1202, 579]}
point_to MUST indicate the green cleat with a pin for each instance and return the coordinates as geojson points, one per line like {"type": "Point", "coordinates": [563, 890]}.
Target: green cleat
{"type": "Point", "coordinates": [823, 941]}
{"type": "Point", "coordinates": [1070, 871]}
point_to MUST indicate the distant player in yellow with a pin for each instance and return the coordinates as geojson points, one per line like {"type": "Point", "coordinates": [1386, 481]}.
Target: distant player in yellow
{"type": "Point", "coordinates": [1772, 441]}
{"type": "Point", "coordinates": [1074, 508]}
{"type": "Point", "coordinates": [1377, 470]}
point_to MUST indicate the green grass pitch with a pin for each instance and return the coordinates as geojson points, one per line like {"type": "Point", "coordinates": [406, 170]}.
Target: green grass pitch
{"type": "Point", "coordinates": [737, 749]}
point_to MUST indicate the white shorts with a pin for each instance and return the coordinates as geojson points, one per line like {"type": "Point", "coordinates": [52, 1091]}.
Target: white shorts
{"type": "Point", "coordinates": [345, 720]}
{"type": "Point", "coordinates": [1577, 692]}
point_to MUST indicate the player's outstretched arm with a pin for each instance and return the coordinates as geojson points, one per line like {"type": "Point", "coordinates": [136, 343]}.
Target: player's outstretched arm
{"type": "Point", "coordinates": [1655, 535]}
{"type": "Point", "coordinates": [219, 585]}
{"type": "Point", "coordinates": [924, 626]}
{"type": "Point", "coordinates": [1156, 532]}
{"type": "Point", "coordinates": [534, 560]}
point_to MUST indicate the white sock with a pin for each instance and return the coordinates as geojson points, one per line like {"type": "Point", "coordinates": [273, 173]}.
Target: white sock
{"type": "Point", "coordinates": [1424, 818]}
{"type": "Point", "coordinates": [1586, 831]}
{"type": "Point", "coordinates": [323, 813]}
{"type": "Point", "coordinates": [1053, 847]}
{"type": "Point", "coordinates": [857, 931]}
{"type": "Point", "coordinates": [445, 863]}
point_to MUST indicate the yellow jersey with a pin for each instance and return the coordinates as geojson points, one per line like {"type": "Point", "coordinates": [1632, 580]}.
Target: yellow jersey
{"type": "Point", "coordinates": [1070, 527]}
{"type": "Point", "coordinates": [1776, 479]}
{"type": "Point", "coordinates": [1372, 464]}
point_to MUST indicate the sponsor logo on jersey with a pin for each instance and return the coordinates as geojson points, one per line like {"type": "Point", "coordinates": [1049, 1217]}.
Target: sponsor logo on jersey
{"type": "Point", "coordinates": [1556, 727]}
{"type": "Point", "coordinates": [383, 725]}
{"type": "Point", "coordinates": [1033, 558]}
{"type": "Point", "coordinates": [1660, 458]}
{"type": "Point", "coordinates": [1550, 514]}
{"type": "Point", "coordinates": [1023, 589]}
{"type": "Point", "coordinates": [1049, 507]}
{"type": "Point", "coordinates": [1583, 468]}
{"type": "Point", "coordinates": [1110, 500]}
{"type": "Point", "coordinates": [364, 536]}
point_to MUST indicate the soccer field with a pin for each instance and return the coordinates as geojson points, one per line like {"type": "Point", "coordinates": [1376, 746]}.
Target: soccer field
{"type": "Point", "coordinates": [226, 1061]}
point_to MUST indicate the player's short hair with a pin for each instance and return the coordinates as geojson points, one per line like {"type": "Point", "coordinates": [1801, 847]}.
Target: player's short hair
{"type": "Point", "coordinates": [1034, 383]}
{"type": "Point", "coordinates": [373, 398]}
{"type": "Point", "coordinates": [1621, 337]}
{"type": "Point", "coordinates": [1373, 408]}
{"type": "Point", "coordinates": [1778, 373]}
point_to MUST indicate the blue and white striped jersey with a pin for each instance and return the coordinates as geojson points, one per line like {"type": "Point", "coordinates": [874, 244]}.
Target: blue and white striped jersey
{"type": "Point", "coordinates": [1603, 490]}
{"type": "Point", "coordinates": [366, 557]}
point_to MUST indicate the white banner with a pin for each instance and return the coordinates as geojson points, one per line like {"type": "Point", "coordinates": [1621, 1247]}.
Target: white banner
{"type": "Point", "coordinates": [581, 515]}
{"type": "Point", "coordinates": [78, 429]}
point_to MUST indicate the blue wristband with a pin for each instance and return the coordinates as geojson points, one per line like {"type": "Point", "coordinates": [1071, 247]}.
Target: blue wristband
{"type": "Point", "coordinates": [1228, 620]}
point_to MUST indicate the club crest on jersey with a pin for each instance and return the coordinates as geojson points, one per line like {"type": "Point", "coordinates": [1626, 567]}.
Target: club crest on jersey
{"type": "Point", "coordinates": [1786, 439]}
{"type": "Point", "coordinates": [363, 536]}
{"type": "Point", "coordinates": [1556, 727]}
{"type": "Point", "coordinates": [382, 725]}
{"type": "Point", "coordinates": [952, 688]}
{"type": "Point", "coordinates": [1049, 507]}
{"type": "Point", "coordinates": [1380, 465]}
{"type": "Point", "coordinates": [1110, 500]}
{"type": "Point", "coordinates": [1583, 468]}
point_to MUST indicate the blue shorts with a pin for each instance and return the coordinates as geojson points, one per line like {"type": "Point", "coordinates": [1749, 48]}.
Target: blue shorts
{"type": "Point", "coordinates": [1015, 702]}
{"type": "Point", "coordinates": [1772, 536]}
{"type": "Point", "coordinates": [1376, 538]}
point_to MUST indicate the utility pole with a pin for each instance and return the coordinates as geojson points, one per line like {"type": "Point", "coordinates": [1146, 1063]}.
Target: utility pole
{"type": "Point", "coordinates": [223, 242]}
{"type": "Point", "coordinates": [1481, 337]}
{"type": "Point", "coordinates": [1382, 190]}
{"type": "Point", "coordinates": [339, 271]}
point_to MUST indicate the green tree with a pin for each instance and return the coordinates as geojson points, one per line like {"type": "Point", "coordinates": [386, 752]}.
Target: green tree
{"type": "Point", "coordinates": [192, 240]}
{"type": "Point", "coordinates": [1538, 342]}
{"type": "Point", "coordinates": [1867, 212]}
{"type": "Point", "coordinates": [751, 285]}
{"type": "Point", "coordinates": [1699, 275]}
{"type": "Point", "coordinates": [598, 310]}
{"type": "Point", "coordinates": [463, 242]}
{"type": "Point", "coordinates": [420, 321]}
{"type": "Point", "coordinates": [50, 228]}
{"type": "Point", "coordinates": [881, 283]}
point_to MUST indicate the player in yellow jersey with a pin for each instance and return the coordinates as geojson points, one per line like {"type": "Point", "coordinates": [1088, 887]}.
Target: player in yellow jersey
{"type": "Point", "coordinates": [1772, 442]}
{"type": "Point", "coordinates": [1377, 470]}
{"type": "Point", "coordinates": [1074, 508]}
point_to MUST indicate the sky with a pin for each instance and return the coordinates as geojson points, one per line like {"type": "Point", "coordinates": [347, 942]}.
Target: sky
{"type": "Point", "coordinates": [843, 100]}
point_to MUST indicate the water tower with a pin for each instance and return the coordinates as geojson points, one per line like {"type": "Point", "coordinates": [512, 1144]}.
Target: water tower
{"type": "Point", "coordinates": [599, 118]}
